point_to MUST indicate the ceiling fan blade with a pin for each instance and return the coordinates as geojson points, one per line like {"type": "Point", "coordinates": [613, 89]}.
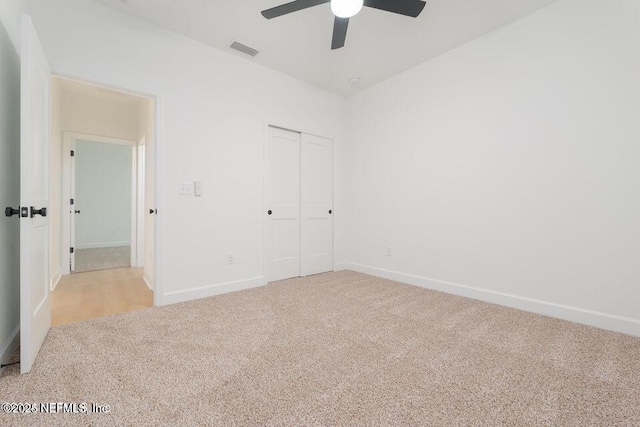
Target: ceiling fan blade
{"type": "Point", "coordinates": [411, 8]}
{"type": "Point", "coordinates": [339, 32]}
{"type": "Point", "coordinates": [294, 6]}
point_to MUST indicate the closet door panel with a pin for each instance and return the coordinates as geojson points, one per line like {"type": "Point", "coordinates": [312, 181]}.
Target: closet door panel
{"type": "Point", "coordinates": [317, 205]}
{"type": "Point", "coordinates": [283, 204]}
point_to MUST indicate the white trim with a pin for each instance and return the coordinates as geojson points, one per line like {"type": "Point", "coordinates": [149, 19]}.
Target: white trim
{"type": "Point", "coordinates": [158, 279]}
{"type": "Point", "coordinates": [265, 203]}
{"type": "Point", "coordinates": [625, 325]}
{"type": "Point", "coordinates": [10, 346]}
{"type": "Point", "coordinates": [103, 245]}
{"type": "Point", "coordinates": [211, 290]}
{"type": "Point", "coordinates": [148, 281]}
{"type": "Point", "coordinates": [99, 138]}
{"type": "Point", "coordinates": [341, 266]}
{"type": "Point", "coordinates": [68, 188]}
{"type": "Point", "coordinates": [135, 213]}
{"type": "Point", "coordinates": [140, 226]}
{"type": "Point", "coordinates": [55, 279]}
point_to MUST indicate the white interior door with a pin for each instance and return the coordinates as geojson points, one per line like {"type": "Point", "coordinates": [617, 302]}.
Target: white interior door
{"type": "Point", "coordinates": [317, 205]}
{"type": "Point", "coordinates": [283, 195]}
{"type": "Point", "coordinates": [35, 311]}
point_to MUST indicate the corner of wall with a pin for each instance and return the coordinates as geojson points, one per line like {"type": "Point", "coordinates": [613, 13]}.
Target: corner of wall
{"type": "Point", "coordinates": [11, 16]}
{"type": "Point", "coordinates": [10, 346]}
{"type": "Point", "coordinates": [597, 319]}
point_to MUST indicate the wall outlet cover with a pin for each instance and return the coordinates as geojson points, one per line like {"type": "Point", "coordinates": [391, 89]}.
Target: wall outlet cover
{"type": "Point", "coordinates": [186, 189]}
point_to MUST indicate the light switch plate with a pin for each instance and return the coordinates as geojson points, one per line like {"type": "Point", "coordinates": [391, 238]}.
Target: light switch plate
{"type": "Point", "coordinates": [186, 189]}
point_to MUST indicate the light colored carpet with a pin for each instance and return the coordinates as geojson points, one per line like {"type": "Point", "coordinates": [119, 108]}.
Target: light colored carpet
{"type": "Point", "coordinates": [335, 349]}
{"type": "Point", "coordinates": [102, 258]}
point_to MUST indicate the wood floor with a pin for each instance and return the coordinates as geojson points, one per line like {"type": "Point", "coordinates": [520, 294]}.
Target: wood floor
{"type": "Point", "coordinates": [86, 296]}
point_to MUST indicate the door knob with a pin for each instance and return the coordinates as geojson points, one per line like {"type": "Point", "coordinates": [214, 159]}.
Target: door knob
{"type": "Point", "coordinates": [330, 211]}
{"type": "Point", "coordinates": [9, 212]}
{"type": "Point", "coordinates": [269, 212]}
{"type": "Point", "coordinates": [41, 212]}
{"type": "Point", "coordinates": [77, 212]}
{"type": "Point", "coordinates": [151, 211]}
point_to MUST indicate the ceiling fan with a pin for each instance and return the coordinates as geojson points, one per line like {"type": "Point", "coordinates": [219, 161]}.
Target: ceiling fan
{"type": "Point", "coordinates": [345, 9]}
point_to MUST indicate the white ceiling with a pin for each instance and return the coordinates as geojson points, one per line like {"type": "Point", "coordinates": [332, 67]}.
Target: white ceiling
{"type": "Point", "coordinates": [379, 44]}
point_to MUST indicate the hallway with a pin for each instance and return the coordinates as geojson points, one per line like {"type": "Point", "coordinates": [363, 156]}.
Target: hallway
{"type": "Point", "coordinates": [85, 296]}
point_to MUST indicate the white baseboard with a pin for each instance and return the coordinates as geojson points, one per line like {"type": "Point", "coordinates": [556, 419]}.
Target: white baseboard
{"type": "Point", "coordinates": [148, 281]}
{"type": "Point", "coordinates": [55, 279]}
{"type": "Point", "coordinates": [625, 325]}
{"type": "Point", "coordinates": [102, 245]}
{"type": "Point", "coordinates": [211, 290]}
{"type": "Point", "coordinates": [10, 345]}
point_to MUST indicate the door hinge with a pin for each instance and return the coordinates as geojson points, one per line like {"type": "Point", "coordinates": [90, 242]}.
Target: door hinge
{"type": "Point", "coordinates": [72, 201]}
{"type": "Point", "coordinates": [73, 153]}
{"type": "Point", "coordinates": [71, 250]}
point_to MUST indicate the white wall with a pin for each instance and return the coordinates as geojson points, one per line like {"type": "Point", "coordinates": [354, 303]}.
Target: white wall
{"type": "Point", "coordinates": [10, 15]}
{"type": "Point", "coordinates": [214, 110]}
{"type": "Point", "coordinates": [84, 112]}
{"type": "Point", "coordinates": [507, 169]}
{"type": "Point", "coordinates": [103, 194]}
{"type": "Point", "coordinates": [9, 194]}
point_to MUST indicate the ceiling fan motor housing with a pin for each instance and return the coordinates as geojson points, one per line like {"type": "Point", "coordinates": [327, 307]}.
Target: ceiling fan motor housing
{"type": "Point", "coordinates": [345, 9]}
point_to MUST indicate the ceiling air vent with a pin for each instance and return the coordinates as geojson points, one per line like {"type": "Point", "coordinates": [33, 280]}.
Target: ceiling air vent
{"type": "Point", "coordinates": [244, 49]}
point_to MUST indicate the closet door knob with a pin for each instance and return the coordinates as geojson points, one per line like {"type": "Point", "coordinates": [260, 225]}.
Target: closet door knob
{"type": "Point", "coordinates": [330, 211]}
{"type": "Point", "coordinates": [151, 211]}
{"type": "Point", "coordinates": [269, 212]}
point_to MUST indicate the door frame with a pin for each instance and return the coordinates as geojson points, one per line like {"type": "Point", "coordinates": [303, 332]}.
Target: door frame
{"type": "Point", "coordinates": [265, 203]}
{"type": "Point", "coordinates": [157, 96]}
{"type": "Point", "coordinates": [68, 181]}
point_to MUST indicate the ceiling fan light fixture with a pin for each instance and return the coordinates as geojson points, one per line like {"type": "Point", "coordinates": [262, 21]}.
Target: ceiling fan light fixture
{"type": "Point", "coordinates": [346, 8]}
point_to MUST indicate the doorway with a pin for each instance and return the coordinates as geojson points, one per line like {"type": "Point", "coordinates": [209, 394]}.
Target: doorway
{"type": "Point", "coordinates": [49, 106]}
{"type": "Point", "coordinates": [102, 174]}
{"type": "Point", "coordinates": [102, 201]}
{"type": "Point", "coordinates": [299, 187]}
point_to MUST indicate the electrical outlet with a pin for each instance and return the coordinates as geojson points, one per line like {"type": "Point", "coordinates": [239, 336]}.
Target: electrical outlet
{"type": "Point", "coordinates": [230, 258]}
{"type": "Point", "coordinates": [389, 251]}
{"type": "Point", "coordinates": [186, 189]}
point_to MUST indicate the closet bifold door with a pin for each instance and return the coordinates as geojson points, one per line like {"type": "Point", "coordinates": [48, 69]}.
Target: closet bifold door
{"type": "Point", "coordinates": [283, 206]}
{"type": "Point", "coordinates": [316, 171]}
